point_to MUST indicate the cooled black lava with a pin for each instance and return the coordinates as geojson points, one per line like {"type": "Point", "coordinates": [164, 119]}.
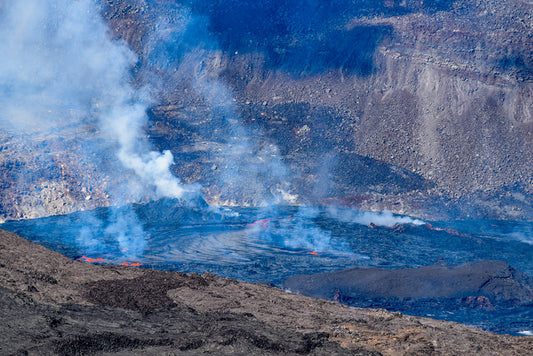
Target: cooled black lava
{"type": "Point", "coordinates": [269, 245]}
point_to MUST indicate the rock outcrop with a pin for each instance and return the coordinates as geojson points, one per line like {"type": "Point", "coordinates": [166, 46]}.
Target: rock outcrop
{"type": "Point", "coordinates": [492, 280]}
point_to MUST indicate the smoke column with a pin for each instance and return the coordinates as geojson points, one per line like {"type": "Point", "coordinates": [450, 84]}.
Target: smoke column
{"type": "Point", "coordinates": [246, 161]}
{"type": "Point", "coordinates": [182, 47]}
{"type": "Point", "coordinates": [61, 75]}
{"type": "Point", "coordinates": [384, 218]}
{"type": "Point", "coordinates": [61, 70]}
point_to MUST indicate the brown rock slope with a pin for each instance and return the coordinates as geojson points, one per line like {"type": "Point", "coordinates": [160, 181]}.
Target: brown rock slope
{"type": "Point", "coordinates": [53, 305]}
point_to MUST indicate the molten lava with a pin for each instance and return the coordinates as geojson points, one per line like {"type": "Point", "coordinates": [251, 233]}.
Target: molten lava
{"type": "Point", "coordinates": [91, 260]}
{"type": "Point", "coordinates": [448, 230]}
{"type": "Point", "coordinates": [130, 264]}
{"type": "Point", "coordinates": [99, 259]}
{"type": "Point", "coordinates": [261, 222]}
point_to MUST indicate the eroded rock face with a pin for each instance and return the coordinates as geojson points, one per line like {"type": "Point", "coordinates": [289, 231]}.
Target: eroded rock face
{"type": "Point", "coordinates": [422, 108]}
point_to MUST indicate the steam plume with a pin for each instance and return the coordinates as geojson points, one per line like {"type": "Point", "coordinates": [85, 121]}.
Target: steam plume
{"type": "Point", "coordinates": [384, 218]}
{"type": "Point", "coordinates": [182, 47]}
{"type": "Point", "coordinates": [63, 76]}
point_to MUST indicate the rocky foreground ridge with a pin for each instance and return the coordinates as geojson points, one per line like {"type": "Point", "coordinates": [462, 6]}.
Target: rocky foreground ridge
{"type": "Point", "coordinates": [51, 304]}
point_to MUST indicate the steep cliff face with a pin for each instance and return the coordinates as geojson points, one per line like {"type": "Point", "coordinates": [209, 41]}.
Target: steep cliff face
{"type": "Point", "coordinates": [450, 90]}
{"type": "Point", "coordinates": [433, 96]}
{"type": "Point", "coordinates": [418, 107]}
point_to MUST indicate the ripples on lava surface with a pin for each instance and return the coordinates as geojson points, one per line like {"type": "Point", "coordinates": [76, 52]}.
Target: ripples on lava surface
{"type": "Point", "coordinates": [271, 244]}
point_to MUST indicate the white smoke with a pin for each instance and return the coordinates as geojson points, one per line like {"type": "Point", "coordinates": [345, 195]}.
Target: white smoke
{"type": "Point", "coordinates": [300, 231]}
{"type": "Point", "coordinates": [524, 234]}
{"type": "Point", "coordinates": [384, 218]}
{"type": "Point", "coordinates": [258, 164]}
{"type": "Point", "coordinates": [526, 332]}
{"type": "Point", "coordinates": [249, 169]}
{"type": "Point", "coordinates": [62, 74]}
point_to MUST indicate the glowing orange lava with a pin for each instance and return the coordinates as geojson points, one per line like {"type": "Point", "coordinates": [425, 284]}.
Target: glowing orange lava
{"type": "Point", "coordinates": [90, 259]}
{"type": "Point", "coordinates": [99, 259]}
{"type": "Point", "coordinates": [261, 222]}
{"type": "Point", "coordinates": [130, 264]}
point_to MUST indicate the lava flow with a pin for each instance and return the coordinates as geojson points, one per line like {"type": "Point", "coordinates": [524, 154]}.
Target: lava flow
{"type": "Point", "coordinates": [131, 264]}
{"type": "Point", "coordinates": [103, 260]}
{"type": "Point", "coordinates": [91, 260]}
{"type": "Point", "coordinates": [261, 222]}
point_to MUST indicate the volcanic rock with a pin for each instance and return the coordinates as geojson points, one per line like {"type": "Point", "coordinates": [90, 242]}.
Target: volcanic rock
{"type": "Point", "coordinates": [51, 304]}
{"type": "Point", "coordinates": [418, 107]}
{"type": "Point", "coordinates": [490, 278]}
{"type": "Point", "coordinates": [483, 284]}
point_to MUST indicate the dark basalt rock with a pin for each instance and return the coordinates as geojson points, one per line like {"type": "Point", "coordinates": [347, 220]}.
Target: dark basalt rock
{"type": "Point", "coordinates": [129, 312]}
{"type": "Point", "coordinates": [145, 294]}
{"type": "Point", "coordinates": [485, 290]}
{"type": "Point", "coordinates": [493, 279]}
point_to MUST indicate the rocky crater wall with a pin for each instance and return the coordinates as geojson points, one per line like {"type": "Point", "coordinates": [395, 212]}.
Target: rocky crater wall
{"type": "Point", "coordinates": [419, 108]}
